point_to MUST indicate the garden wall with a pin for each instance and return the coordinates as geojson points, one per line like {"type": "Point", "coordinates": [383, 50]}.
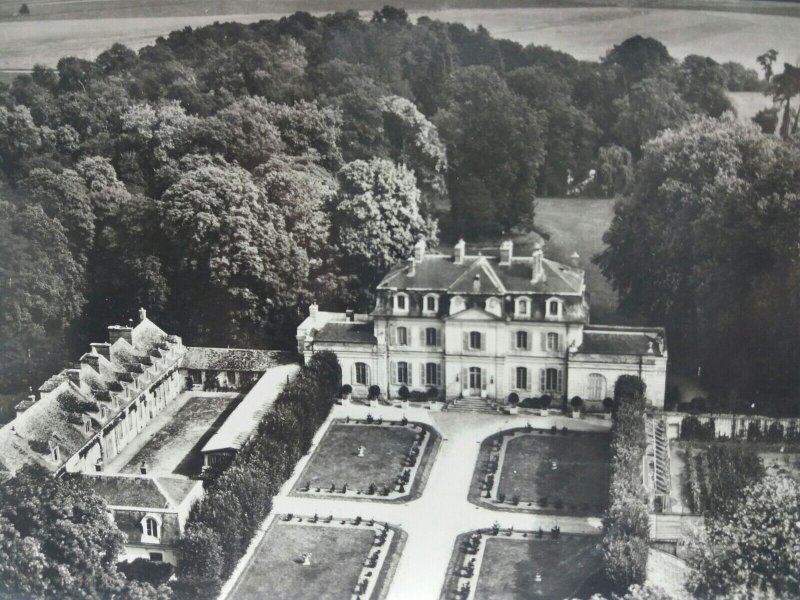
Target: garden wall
{"type": "Point", "coordinates": [730, 426]}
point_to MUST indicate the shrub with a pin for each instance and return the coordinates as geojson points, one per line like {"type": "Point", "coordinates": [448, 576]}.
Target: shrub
{"type": "Point", "coordinates": [148, 571]}
{"type": "Point", "coordinates": [39, 446]}
{"type": "Point", "coordinates": [754, 430]}
{"type": "Point", "coordinates": [403, 392]}
{"type": "Point", "coordinates": [553, 430]}
{"type": "Point", "coordinates": [576, 402]}
{"type": "Point", "coordinates": [546, 400]}
{"type": "Point", "coordinates": [433, 392]}
{"type": "Point", "coordinates": [693, 429]}
{"type": "Point", "coordinates": [374, 392]}
{"type": "Point", "coordinates": [501, 497]}
{"type": "Point", "coordinates": [70, 403]}
{"type": "Point", "coordinates": [774, 432]}
{"type": "Point", "coordinates": [346, 389]}
{"type": "Point", "coordinates": [513, 398]}
{"type": "Point", "coordinates": [628, 387]}
{"type": "Point", "coordinates": [672, 398]}
{"type": "Point", "coordinates": [416, 396]}
{"type": "Point", "coordinates": [608, 403]}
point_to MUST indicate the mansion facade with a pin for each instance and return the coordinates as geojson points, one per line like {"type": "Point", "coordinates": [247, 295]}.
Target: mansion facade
{"type": "Point", "coordinates": [466, 325]}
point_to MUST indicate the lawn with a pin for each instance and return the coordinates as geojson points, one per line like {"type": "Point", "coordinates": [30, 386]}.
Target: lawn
{"type": "Point", "coordinates": [175, 448]}
{"type": "Point", "coordinates": [510, 566]}
{"type": "Point", "coordinates": [276, 570]}
{"type": "Point", "coordinates": [336, 458]}
{"type": "Point", "coordinates": [581, 476]}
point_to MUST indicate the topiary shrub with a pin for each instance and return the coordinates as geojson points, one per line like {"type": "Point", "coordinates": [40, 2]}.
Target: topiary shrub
{"type": "Point", "coordinates": [147, 571]}
{"type": "Point", "coordinates": [39, 446]}
{"type": "Point", "coordinates": [774, 432]}
{"type": "Point", "coordinates": [513, 398]}
{"type": "Point", "coordinates": [433, 392]}
{"type": "Point", "coordinates": [608, 403]}
{"type": "Point", "coordinates": [546, 400]}
{"type": "Point", "coordinates": [576, 403]}
{"type": "Point", "coordinates": [373, 392]}
{"type": "Point", "coordinates": [346, 389]}
{"type": "Point", "coordinates": [403, 392]}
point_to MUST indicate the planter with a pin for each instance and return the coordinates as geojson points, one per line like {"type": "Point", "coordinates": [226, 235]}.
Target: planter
{"type": "Point", "coordinates": [576, 414]}
{"type": "Point", "coordinates": [404, 403]}
{"type": "Point", "coordinates": [513, 410]}
{"type": "Point", "coordinates": [606, 416]}
{"type": "Point", "coordinates": [436, 406]}
{"type": "Point", "coordinates": [544, 412]}
{"type": "Point", "coordinates": [373, 403]}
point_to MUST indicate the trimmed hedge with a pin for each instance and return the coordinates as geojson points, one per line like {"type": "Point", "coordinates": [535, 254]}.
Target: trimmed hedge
{"type": "Point", "coordinates": [221, 526]}
{"type": "Point", "coordinates": [626, 535]}
{"type": "Point", "coordinates": [693, 429]}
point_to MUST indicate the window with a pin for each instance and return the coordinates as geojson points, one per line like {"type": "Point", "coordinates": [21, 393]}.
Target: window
{"type": "Point", "coordinates": [522, 340]}
{"type": "Point", "coordinates": [156, 557]}
{"type": "Point", "coordinates": [56, 454]}
{"type": "Point", "coordinates": [457, 304]}
{"type": "Point", "coordinates": [151, 527]}
{"type": "Point", "coordinates": [596, 387]}
{"type": "Point", "coordinates": [475, 379]}
{"type": "Point", "coordinates": [402, 373]}
{"type": "Point", "coordinates": [554, 307]}
{"type": "Point", "coordinates": [494, 307]}
{"type": "Point", "coordinates": [521, 378]}
{"type": "Point", "coordinates": [401, 302]}
{"type": "Point", "coordinates": [551, 380]}
{"type": "Point", "coordinates": [402, 336]}
{"type": "Point", "coordinates": [431, 303]}
{"type": "Point", "coordinates": [433, 374]}
{"type": "Point", "coordinates": [362, 377]}
{"type": "Point", "coordinates": [523, 307]}
{"type": "Point", "coordinates": [88, 426]}
{"type": "Point", "coordinates": [431, 337]}
{"type": "Point", "coordinates": [553, 342]}
{"type": "Point", "coordinates": [475, 340]}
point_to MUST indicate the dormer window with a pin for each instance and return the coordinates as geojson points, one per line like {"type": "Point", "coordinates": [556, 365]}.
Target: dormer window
{"type": "Point", "coordinates": [457, 304]}
{"type": "Point", "coordinates": [401, 302]}
{"type": "Point", "coordinates": [523, 307]}
{"type": "Point", "coordinates": [493, 306]}
{"type": "Point", "coordinates": [151, 529]}
{"type": "Point", "coordinates": [56, 454]}
{"type": "Point", "coordinates": [431, 306]}
{"type": "Point", "coordinates": [553, 308]}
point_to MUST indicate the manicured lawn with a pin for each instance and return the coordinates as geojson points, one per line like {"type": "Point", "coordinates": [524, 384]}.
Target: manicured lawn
{"type": "Point", "coordinates": [276, 570]}
{"type": "Point", "coordinates": [175, 448]}
{"type": "Point", "coordinates": [581, 476]}
{"type": "Point", "coordinates": [509, 568]}
{"type": "Point", "coordinates": [336, 458]}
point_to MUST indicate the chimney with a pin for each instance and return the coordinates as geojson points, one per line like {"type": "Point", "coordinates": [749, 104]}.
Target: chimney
{"type": "Point", "coordinates": [412, 267]}
{"type": "Point", "coordinates": [92, 359]}
{"type": "Point", "coordinates": [120, 331]}
{"type": "Point", "coordinates": [350, 315]}
{"type": "Point", "coordinates": [419, 250]}
{"type": "Point", "coordinates": [537, 271]}
{"type": "Point", "coordinates": [459, 250]}
{"type": "Point", "coordinates": [476, 283]}
{"type": "Point", "coordinates": [313, 312]}
{"type": "Point", "coordinates": [74, 376]}
{"type": "Point", "coordinates": [575, 259]}
{"type": "Point", "coordinates": [103, 349]}
{"type": "Point", "coordinates": [506, 252]}
{"type": "Point", "coordinates": [142, 314]}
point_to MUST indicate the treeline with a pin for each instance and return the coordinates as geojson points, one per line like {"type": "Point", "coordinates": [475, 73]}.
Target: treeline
{"type": "Point", "coordinates": [226, 176]}
{"type": "Point", "coordinates": [223, 523]}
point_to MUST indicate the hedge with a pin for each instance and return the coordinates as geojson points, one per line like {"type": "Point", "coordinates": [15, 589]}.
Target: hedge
{"type": "Point", "coordinates": [221, 526]}
{"type": "Point", "coordinates": [626, 535]}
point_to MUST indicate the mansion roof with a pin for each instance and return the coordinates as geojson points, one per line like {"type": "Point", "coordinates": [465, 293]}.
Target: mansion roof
{"type": "Point", "coordinates": [347, 332]}
{"type": "Point", "coordinates": [623, 341]}
{"type": "Point", "coordinates": [142, 491]}
{"type": "Point", "coordinates": [233, 359]}
{"type": "Point", "coordinates": [439, 272]}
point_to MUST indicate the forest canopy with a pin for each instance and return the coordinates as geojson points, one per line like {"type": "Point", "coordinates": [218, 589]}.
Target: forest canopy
{"type": "Point", "coordinates": [223, 177]}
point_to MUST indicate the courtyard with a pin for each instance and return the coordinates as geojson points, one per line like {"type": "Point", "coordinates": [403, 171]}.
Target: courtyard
{"type": "Point", "coordinates": [305, 560]}
{"type": "Point", "coordinates": [550, 471]}
{"type": "Point", "coordinates": [365, 458]}
{"type": "Point", "coordinates": [173, 445]}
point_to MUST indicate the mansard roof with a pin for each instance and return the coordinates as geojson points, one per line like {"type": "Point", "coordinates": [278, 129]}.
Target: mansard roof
{"type": "Point", "coordinates": [348, 332]}
{"type": "Point", "coordinates": [142, 491]}
{"type": "Point", "coordinates": [636, 341]}
{"type": "Point", "coordinates": [233, 359]}
{"type": "Point", "coordinates": [439, 272]}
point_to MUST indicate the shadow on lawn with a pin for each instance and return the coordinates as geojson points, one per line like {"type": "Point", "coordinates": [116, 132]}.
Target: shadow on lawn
{"type": "Point", "coordinates": [192, 463]}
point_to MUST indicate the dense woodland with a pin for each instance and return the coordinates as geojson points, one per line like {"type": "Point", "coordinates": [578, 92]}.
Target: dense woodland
{"type": "Point", "coordinates": [226, 176]}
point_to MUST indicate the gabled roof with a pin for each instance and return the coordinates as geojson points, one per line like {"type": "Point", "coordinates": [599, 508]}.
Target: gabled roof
{"type": "Point", "coordinates": [142, 491]}
{"type": "Point", "coordinates": [438, 272]}
{"type": "Point", "coordinates": [233, 359]}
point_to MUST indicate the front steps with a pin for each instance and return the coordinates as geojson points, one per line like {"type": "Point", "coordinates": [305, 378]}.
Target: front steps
{"type": "Point", "coordinates": [474, 405]}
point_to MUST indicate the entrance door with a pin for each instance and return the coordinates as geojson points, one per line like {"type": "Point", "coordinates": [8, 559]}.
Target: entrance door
{"type": "Point", "coordinates": [475, 383]}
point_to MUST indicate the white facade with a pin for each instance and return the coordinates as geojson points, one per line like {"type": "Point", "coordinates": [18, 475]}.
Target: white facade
{"type": "Point", "coordinates": [477, 326]}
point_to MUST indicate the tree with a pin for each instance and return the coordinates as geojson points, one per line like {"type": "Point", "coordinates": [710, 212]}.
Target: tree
{"type": "Point", "coordinates": [376, 217]}
{"type": "Point", "coordinates": [751, 552]}
{"type": "Point", "coordinates": [639, 57]}
{"type": "Point", "coordinates": [63, 529]}
{"type": "Point", "coordinates": [702, 83]}
{"type": "Point", "coordinates": [199, 563]}
{"type": "Point", "coordinates": [783, 87]}
{"type": "Point", "coordinates": [614, 174]}
{"type": "Point", "coordinates": [24, 11]}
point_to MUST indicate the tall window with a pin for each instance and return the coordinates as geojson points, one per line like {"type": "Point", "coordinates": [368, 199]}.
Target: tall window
{"type": "Point", "coordinates": [432, 371]}
{"type": "Point", "coordinates": [475, 340]}
{"type": "Point", "coordinates": [553, 308]}
{"type": "Point", "coordinates": [596, 387]}
{"type": "Point", "coordinates": [402, 372]}
{"type": "Point", "coordinates": [523, 307]}
{"type": "Point", "coordinates": [522, 340]}
{"type": "Point", "coordinates": [361, 374]}
{"type": "Point", "coordinates": [431, 304]}
{"type": "Point", "coordinates": [402, 336]}
{"type": "Point", "coordinates": [522, 378]}
{"type": "Point", "coordinates": [401, 302]}
{"type": "Point", "coordinates": [475, 378]}
{"type": "Point", "coordinates": [551, 381]}
{"type": "Point", "coordinates": [151, 527]}
{"type": "Point", "coordinates": [431, 337]}
{"type": "Point", "coordinates": [553, 342]}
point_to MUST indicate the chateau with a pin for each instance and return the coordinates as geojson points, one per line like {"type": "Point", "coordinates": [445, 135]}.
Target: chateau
{"type": "Point", "coordinates": [485, 326]}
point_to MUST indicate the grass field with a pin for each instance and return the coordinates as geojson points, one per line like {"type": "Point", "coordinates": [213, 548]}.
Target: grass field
{"type": "Point", "coordinates": [86, 27]}
{"type": "Point", "coordinates": [510, 566]}
{"type": "Point", "coordinates": [176, 447]}
{"type": "Point", "coordinates": [335, 459]}
{"type": "Point", "coordinates": [276, 570]}
{"type": "Point", "coordinates": [581, 476]}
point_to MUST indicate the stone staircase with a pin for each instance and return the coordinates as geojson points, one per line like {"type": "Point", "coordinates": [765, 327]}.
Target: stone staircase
{"type": "Point", "coordinates": [474, 405]}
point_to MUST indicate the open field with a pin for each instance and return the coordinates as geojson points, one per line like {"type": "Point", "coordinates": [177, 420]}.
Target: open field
{"type": "Point", "coordinates": [509, 568]}
{"type": "Point", "coordinates": [276, 569]}
{"type": "Point", "coordinates": [90, 26]}
{"type": "Point", "coordinates": [336, 458]}
{"type": "Point", "coordinates": [176, 447]}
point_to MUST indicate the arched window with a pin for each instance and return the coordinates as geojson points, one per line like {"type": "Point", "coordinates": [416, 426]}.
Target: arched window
{"type": "Point", "coordinates": [151, 527]}
{"type": "Point", "coordinates": [431, 303]}
{"type": "Point", "coordinates": [362, 374]}
{"type": "Point", "coordinates": [493, 306]}
{"type": "Point", "coordinates": [457, 304]}
{"type": "Point", "coordinates": [401, 302]}
{"type": "Point", "coordinates": [402, 336]}
{"type": "Point", "coordinates": [475, 340]}
{"type": "Point", "coordinates": [521, 378]}
{"type": "Point", "coordinates": [596, 387]}
{"type": "Point", "coordinates": [554, 308]}
{"type": "Point", "coordinates": [522, 340]}
{"type": "Point", "coordinates": [523, 307]}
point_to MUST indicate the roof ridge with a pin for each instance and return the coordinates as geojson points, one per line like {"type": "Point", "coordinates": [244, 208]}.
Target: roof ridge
{"type": "Point", "coordinates": [170, 500]}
